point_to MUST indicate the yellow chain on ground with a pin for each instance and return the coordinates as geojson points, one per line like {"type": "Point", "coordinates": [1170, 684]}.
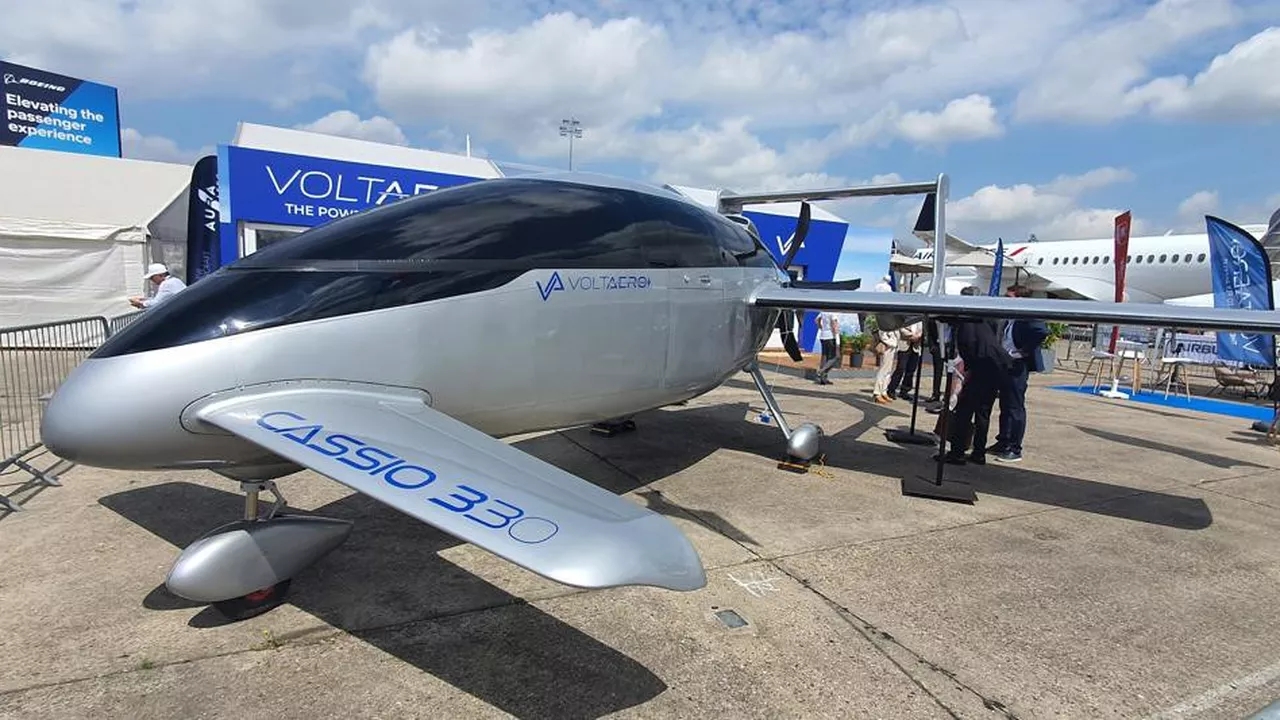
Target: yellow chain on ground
{"type": "Point", "coordinates": [820, 468]}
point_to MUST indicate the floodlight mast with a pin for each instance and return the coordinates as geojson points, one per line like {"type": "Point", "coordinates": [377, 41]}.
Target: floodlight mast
{"type": "Point", "coordinates": [731, 202]}
{"type": "Point", "coordinates": [571, 128]}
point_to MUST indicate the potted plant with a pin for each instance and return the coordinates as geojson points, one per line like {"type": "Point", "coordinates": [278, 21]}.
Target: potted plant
{"type": "Point", "coordinates": [1057, 331]}
{"type": "Point", "coordinates": [856, 346]}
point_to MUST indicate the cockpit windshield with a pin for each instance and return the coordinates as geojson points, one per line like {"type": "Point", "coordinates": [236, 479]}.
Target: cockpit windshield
{"type": "Point", "coordinates": [459, 240]}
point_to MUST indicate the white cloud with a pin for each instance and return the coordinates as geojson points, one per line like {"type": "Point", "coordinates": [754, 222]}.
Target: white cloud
{"type": "Point", "coordinates": [137, 146]}
{"type": "Point", "coordinates": [1237, 85]}
{"type": "Point", "coordinates": [972, 117]}
{"type": "Point", "coordinates": [1090, 78]}
{"type": "Point", "coordinates": [276, 51]}
{"type": "Point", "coordinates": [1052, 210]}
{"type": "Point", "coordinates": [743, 95]}
{"type": "Point", "coordinates": [1195, 207]}
{"type": "Point", "coordinates": [348, 124]}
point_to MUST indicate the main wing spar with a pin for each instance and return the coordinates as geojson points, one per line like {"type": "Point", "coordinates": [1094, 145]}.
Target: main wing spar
{"type": "Point", "coordinates": [911, 306]}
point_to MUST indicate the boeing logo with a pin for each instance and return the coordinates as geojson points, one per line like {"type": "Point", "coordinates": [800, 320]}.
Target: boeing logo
{"type": "Point", "coordinates": [11, 79]}
{"type": "Point", "coordinates": [592, 282]}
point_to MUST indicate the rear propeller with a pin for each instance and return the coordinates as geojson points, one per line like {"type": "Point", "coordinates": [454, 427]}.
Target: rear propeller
{"type": "Point", "coordinates": [786, 320]}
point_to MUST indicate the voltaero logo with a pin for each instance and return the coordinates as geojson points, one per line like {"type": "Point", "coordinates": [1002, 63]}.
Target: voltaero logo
{"type": "Point", "coordinates": [602, 283]}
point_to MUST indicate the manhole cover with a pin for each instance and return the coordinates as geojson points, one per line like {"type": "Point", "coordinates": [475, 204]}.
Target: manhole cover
{"type": "Point", "coordinates": [731, 618]}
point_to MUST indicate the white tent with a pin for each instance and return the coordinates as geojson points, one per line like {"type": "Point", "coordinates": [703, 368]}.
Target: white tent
{"type": "Point", "coordinates": [76, 231]}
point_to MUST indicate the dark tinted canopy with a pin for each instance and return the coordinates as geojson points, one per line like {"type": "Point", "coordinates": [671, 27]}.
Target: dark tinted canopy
{"type": "Point", "coordinates": [450, 242]}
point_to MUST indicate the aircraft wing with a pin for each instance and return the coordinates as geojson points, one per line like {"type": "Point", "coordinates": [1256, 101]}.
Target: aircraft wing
{"type": "Point", "coordinates": [399, 450]}
{"type": "Point", "coordinates": [913, 305]}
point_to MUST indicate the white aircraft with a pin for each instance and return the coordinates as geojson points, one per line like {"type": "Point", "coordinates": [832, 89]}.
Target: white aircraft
{"type": "Point", "coordinates": [1167, 268]}
{"type": "Point", "coordinates": [391, 349]}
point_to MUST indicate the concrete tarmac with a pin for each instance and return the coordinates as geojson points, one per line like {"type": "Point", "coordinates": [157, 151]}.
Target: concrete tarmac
{"type": "Point", "coordinates": [1128, 567]}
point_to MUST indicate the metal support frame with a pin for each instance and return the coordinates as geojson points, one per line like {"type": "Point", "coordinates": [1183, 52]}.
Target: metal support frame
{"type": "Point", "coordinates": [939, 487]}
{"type": "Point", "coordinates": [252, 498]}
{"type": "Point", "coordinates": [769, 399]}
{"type": "Point", "coordinates": [734, 203]}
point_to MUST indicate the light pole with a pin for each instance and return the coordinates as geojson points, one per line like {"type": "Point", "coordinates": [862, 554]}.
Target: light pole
{"type": "Point", "coordinates": [570, 128]}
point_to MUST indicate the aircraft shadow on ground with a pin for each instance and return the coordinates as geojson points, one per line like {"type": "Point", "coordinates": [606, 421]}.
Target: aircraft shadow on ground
{"type": "Point", "coordinates": [1219, 461]}
{"type": "Point", "coordinates": [669, 441]}
{"type": "Point", "coordinates": [388, 586]}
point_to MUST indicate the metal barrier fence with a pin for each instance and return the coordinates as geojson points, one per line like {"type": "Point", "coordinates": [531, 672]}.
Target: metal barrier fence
{"type": "Point", "coordinates": [34, 360]}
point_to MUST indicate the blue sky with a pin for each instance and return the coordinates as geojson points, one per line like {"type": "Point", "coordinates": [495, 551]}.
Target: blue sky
{"type": "Point", "coordinates": [1050, 117]}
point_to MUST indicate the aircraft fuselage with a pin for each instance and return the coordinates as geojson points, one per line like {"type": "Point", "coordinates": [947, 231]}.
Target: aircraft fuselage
{"type": "Point", "coordinates": [496, 342]}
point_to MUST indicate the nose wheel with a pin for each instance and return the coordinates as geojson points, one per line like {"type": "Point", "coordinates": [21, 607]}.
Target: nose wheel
{"type": "Point", "coordinates": [255, 603]}
{"type": "Point", "coordinates": [804, 443]}
{"type": "Point", "coordinates": [245, 568]}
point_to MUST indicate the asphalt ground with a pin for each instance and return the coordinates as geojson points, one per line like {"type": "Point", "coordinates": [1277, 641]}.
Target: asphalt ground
{"type": "Point", "coordinates": [1128, 567]}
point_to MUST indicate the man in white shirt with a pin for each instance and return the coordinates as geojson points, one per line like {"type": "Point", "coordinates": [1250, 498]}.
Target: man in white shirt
{"type": "Point", "coordinates": [166, 287]}
{"type": "Point", "coordinates": [828, 332]}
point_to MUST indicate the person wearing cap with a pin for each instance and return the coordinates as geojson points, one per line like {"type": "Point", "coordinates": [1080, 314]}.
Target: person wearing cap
{"type": "Point", "coordinates": [166, 287]}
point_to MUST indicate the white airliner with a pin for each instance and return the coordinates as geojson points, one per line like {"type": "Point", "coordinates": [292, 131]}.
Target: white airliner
{"type": "Point", "coordinates": [1169, 268]}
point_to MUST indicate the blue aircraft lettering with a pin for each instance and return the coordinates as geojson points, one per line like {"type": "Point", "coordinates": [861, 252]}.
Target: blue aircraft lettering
{"type": "Point", "coordinates": [592, 282]}
{"type": "Point", "coordinates": [401, 473]}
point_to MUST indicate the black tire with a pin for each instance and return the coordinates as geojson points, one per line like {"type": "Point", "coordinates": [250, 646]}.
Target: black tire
{"type": "Point", "coordinates": [255, 603]}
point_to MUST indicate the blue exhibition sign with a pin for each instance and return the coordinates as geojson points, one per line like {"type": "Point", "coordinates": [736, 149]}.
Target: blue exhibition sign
{"type": "Point", "coordinates": [818, 255]}
{"type": "Point", "coordinates": [997, 271]}
{"type": "Point", "coordinates": [47, 111]}
{"type": "Point", "coordinates": [1241, 279]}
{"type": "Point", "coordinates": [286, 189]}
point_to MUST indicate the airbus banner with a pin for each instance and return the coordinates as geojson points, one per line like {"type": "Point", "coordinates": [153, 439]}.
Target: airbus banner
{"type": "Point", "coordinates": [1241, 279]}
{"type": "Point", "coordinates": [286, 189]}
{"type": "Point", "coordinates": [48, 111]}
{"type": "Point", "coordinates": [203, 248]}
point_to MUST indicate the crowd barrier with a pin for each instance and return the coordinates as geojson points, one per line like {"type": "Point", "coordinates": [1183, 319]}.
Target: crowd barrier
{"type": "Point", "coordinates": [34, 360]}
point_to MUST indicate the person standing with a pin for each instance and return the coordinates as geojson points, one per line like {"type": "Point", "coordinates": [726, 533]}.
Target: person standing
{"type": "Point", "coordinates": [166, 287]}
{"type": "Point", "coordinates": [985, 364]}
{"type": "Point", "coordinates": [886, 353]}
{"type": "Point", "coordinates": [902, 382]}
{"type": "Point", "coordinates": [1021, 341]}
{"type": "Point", "coordinates": [828, 335]}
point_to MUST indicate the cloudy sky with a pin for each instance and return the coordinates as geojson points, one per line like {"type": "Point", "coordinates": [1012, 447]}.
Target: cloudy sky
{"type": "Point", "coordinates": [1049, 116]}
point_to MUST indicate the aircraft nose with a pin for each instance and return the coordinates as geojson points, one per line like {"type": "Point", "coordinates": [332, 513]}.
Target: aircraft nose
{"type": "Point", "coordinates": [78, 424]}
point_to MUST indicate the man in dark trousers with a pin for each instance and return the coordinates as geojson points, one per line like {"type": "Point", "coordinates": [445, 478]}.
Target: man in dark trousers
{"type": "Point", "coordinates": [939, 360]}
{"type": "Point", "coordinates": [1021, 342]}
{"type": "Point", "coordinates": [985, 365]}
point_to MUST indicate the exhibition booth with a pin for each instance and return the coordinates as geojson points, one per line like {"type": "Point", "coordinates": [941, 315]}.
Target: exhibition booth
{"type": "Point", "coordinates": [77, 231]}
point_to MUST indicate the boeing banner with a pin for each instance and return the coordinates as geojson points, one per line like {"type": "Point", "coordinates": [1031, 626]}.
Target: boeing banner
{"type": "Point", "coordinates": [1241, 279]}
{"type": "Point", "coordinates": [47, 111]}
{"type": "Point", "coordinates": [203, 249]}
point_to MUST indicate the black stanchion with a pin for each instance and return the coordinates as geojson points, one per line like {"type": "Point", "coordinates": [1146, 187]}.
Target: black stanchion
{"type": "Point", "coordinates": [939, 487]}
{"type": "Point", "coordinates": [911, 436]}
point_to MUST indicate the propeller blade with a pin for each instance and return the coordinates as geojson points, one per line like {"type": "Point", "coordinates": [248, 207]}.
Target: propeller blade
{"type": "Point", "coordinates": [788, 334]}
{"type": "Point", "coordinates": [802, 229]}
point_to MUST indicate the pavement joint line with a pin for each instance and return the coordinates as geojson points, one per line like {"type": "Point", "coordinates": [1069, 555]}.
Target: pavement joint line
{"type": "Point", "coordinates": [861, 626]}
{"type": "Point", "coordinates": [875, 636]}
{"type": "Point", "coordinates": [1250, 501]}
{"type": "Point", "coordinates": [1224, 692]}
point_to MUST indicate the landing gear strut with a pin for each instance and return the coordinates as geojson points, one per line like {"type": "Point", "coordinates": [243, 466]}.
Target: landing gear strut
{"type": "Point", "coordinates": [245, 568]}
{"type": "Point", "coordinates": [803, 443]}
